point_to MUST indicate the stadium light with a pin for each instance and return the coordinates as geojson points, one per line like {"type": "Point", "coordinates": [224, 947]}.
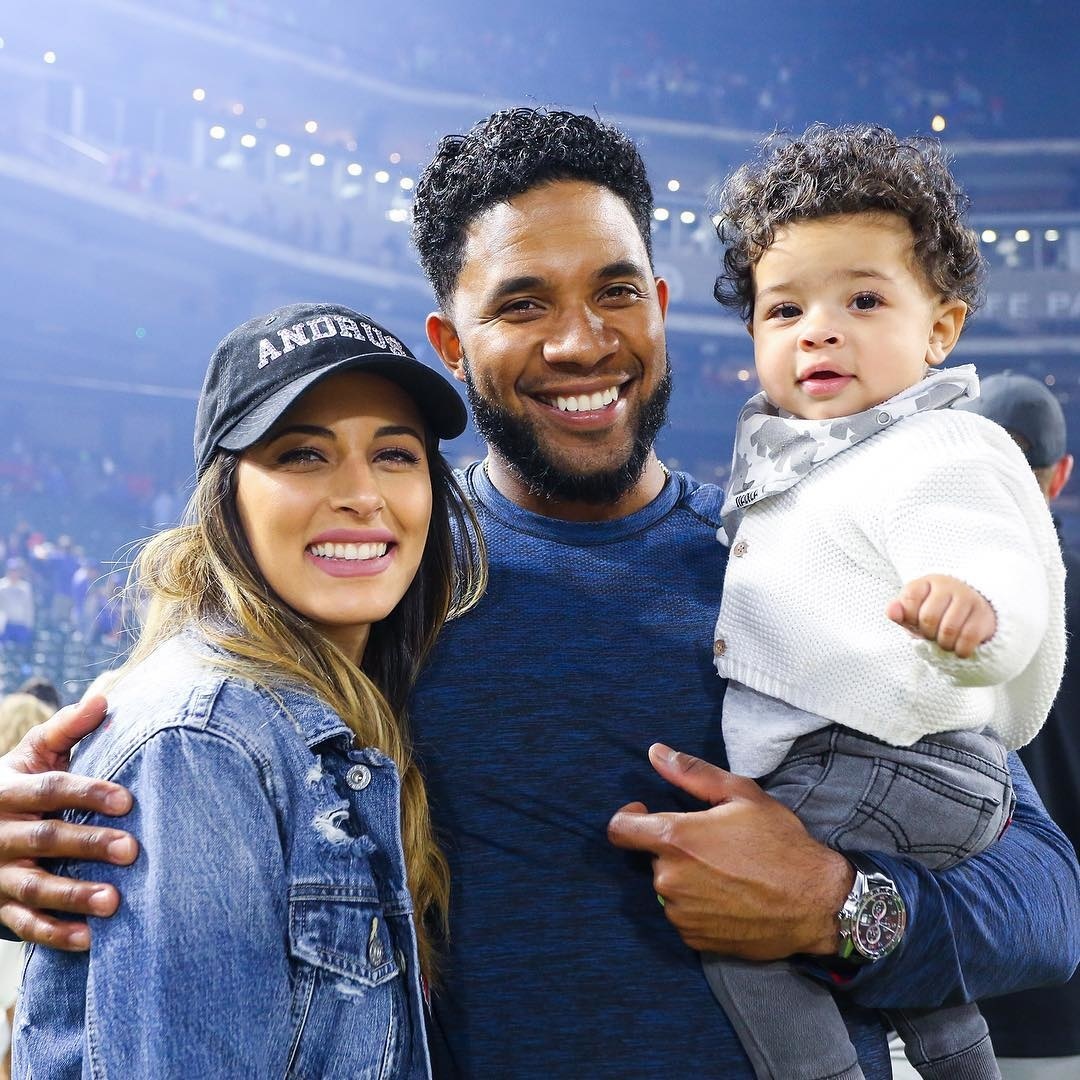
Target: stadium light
{"type": "Point", "coordinates": [406, 183]}
{"type": "Point", "coordinates": [49, 57]}
{"type": "Point", "coordinates": [311, 127]}
{"type": "Point", "coordinates": [198, 94]}
{"type": "Point", "coordinates": [283, 149]}
{"type": "Point", "coordinates": [660, 214]}
{"type": "Point", "coordinates": [1022, 236]}
{"type": "Point", "coordinates": [317, 159]}
{"type": "Point", "coordinates": [938, 123]}
{"type": "Point", "coordinates": [673, 185]}
{"type": "Point", "coordinates": [688, 217]}
{"type": "Point", "coordinates": [989, 236]}
{"type": "Point", "coordinates": [397, 214]}
{"type": "Point", "coordinates": [395, 158]}
{"type": "Point", "coordinates": [354, 168]}
{"type": "Point", "coordinates": [217, 132]}
{"type": "Point", "coordinates": [248, 140]}
{"type": "Point", "coordinates": [382, 176]}
{"type": "Point", "coordinates": [237, 109]}
{"type": "Point", "coordinates": [1051, 235]}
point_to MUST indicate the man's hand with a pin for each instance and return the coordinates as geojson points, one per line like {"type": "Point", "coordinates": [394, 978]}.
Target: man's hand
{"type": "Point", "coordinates": [743, 878]}
{"type": "Point", "coordinates": [30, 786]}
{"type": "Point", "coordinates": [943, 609]}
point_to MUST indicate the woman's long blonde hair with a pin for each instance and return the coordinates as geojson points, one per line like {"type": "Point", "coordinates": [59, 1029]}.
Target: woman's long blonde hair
{"type": "Point", "coordinates": [203, 574]}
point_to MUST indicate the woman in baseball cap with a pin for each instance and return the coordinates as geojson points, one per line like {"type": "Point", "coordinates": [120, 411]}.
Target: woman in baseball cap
{"type": "Point", "coordinates": [278, 919]}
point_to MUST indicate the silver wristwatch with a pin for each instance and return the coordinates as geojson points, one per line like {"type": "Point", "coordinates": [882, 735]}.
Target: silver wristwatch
{"type": "Point", "coordinates": [872, 920]}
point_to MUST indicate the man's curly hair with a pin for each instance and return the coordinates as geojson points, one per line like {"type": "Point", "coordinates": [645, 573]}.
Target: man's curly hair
{"type": "Point", "coordinates": [847, 170]}
{"type": "Point", "coordinates": [511, 152]}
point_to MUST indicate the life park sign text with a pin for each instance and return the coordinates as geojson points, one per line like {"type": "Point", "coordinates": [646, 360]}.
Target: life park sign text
{"type": "Point", "coordinates": [1032, 298]}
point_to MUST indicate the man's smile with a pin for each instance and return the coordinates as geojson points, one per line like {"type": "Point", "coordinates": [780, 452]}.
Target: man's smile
{"type": "Point", "coordinates": [581, 402]}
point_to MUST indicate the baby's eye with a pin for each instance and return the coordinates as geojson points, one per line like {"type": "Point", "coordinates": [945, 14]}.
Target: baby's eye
{"type": "Point", "coordinates": [867, 301]}
{"type": "Point", "coordinates": [785, 311]}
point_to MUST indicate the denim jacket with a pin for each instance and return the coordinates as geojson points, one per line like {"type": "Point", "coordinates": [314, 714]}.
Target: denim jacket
{"type": "Point", "coordinates": [265, 929]}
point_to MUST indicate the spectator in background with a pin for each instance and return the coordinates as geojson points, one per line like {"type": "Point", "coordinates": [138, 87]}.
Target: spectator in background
{"type": "Point", "coordinates": [104, 610]}
{"type": "Point", "coordinates": [39, 687]}
{"type": "Point", "coordinates": [16, 604]}
{"type": "Point", "coordinates": [39, 575]}
{"type": "Point", "coordinates": [82, 586]}
{"type": "Point", "coordinates": [19, 712]}
{"type": "Point", "coordinates": [18, 540]}
{"type": "Point", "coordinates": [58, 563]}
{"type": "Point", "coordinates": [1037, 1033]}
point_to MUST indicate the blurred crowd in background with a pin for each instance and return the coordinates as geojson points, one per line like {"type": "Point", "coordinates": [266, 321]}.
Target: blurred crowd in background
{"type": "Point", "coordinates": [69, 523]}
{"type": "Point", "coordinates": [168, 170]}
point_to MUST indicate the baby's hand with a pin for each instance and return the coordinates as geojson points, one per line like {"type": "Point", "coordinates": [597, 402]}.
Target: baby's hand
{"type": "Point", "coordinates": [944, 610]}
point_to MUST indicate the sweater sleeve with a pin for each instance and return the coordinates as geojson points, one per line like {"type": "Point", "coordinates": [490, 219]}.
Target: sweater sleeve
{"type": "Point", "coordinates": [972, 517]}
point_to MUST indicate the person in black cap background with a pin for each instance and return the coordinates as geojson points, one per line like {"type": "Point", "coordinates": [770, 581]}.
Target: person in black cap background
{"type": "Point", "coordinates": [42, 689]}
{"type": "Point", "coordinates": [278, 919]}
{"type": "Point", "coordinates": [1037, 1033]}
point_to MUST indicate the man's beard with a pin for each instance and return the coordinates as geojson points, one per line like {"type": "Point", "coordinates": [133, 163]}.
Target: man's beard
{"type": "Point", "coordinates": [516, 442]}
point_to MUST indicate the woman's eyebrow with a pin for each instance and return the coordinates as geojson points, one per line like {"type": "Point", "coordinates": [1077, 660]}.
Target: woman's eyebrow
{"type": "Point", "coordinates": [326, 433]}
{"type": "Point", "coordinates": [398, 429]}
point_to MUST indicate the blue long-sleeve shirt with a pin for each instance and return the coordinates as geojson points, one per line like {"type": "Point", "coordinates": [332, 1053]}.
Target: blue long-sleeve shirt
{"type": "Point", "coordinates": [533, 721]}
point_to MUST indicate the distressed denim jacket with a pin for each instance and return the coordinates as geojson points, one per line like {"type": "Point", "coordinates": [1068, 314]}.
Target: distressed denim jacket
{"type": "Point", "coordinates": [265, 929]}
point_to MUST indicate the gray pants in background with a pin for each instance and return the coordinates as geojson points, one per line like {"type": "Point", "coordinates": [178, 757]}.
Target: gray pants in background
{"type": "Point", "coordinates": [939, 801]}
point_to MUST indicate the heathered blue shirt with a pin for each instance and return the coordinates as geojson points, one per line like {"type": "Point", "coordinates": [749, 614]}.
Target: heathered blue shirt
{"type": "Point", "coordinates": [532, 724]}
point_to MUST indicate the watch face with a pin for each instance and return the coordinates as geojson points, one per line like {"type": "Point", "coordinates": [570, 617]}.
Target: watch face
{"type": "Point", "coordinates": [879, 922]}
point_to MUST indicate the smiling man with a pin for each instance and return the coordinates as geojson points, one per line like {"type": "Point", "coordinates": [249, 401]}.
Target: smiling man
{"type": "Point", "coordinates": [596, 640]}
{"type": "Point", "coordinates": [593, 642]}
{"type": "Point", "coordinates": [569, 395]}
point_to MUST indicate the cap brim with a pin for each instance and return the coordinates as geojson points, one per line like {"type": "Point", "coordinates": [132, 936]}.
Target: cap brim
{"type": "Point", "coordinates": [438, 402]}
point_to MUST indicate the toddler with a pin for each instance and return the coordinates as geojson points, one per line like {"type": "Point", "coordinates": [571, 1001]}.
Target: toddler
{"type": "Point", "coordinates": [892, 615]}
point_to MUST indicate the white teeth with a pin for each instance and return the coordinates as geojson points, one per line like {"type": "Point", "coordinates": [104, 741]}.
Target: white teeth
{"type": "Point", "coordinates": [352, 552]}
{"type": "Point", "coordinates": [585, 402]}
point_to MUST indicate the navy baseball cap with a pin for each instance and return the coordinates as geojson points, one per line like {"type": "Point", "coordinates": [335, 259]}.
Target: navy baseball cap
{"type": "Point", "coordinates": [1024, 406]}
{"type": "Point", "coordinates": [259, 369]}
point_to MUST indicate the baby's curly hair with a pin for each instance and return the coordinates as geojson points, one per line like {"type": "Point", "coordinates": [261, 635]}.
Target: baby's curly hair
{"type": "Point", "coordinates": [847, 170]}
{"type": "Point", "coordinates": [508, 153]}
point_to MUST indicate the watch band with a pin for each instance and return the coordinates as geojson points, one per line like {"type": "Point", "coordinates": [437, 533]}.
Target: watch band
{"type": "Point", "coordinates": [872, 920]}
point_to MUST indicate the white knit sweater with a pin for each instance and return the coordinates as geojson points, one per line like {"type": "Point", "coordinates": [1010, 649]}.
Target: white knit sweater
{"type": "Point", "coordinates": [813, 568]}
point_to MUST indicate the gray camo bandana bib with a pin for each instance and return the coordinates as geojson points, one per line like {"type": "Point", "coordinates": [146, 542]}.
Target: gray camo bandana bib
{"type": "Point", "coordinates": [774, 451]}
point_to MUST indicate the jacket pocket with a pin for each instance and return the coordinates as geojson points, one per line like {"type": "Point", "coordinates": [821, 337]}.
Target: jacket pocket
{"type": "Point", "coordinates": [342, 933]}
{"type": "Point", "coordinates": [350, 1011]}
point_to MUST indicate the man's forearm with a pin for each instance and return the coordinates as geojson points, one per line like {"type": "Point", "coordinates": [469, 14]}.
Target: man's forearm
{"type": "Point", "coordinates": [1005, 920]}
